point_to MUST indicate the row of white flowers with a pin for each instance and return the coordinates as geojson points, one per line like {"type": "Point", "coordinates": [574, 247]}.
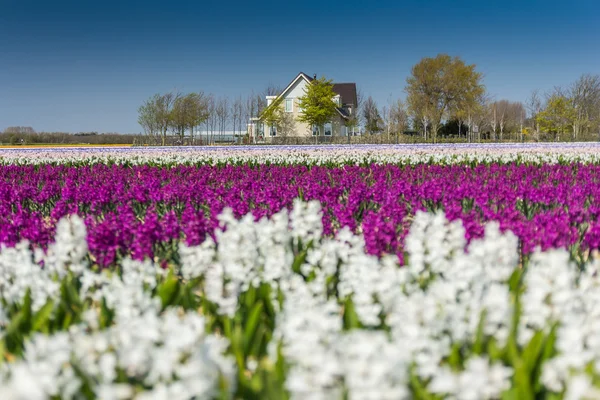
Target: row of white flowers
{"type": "Point", "coordinates": [439, 324]}
{"type": "Point", "coordinates": [311, 155]}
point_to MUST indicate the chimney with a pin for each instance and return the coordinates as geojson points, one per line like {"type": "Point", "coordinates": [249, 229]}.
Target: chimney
{"type": "Point", "coordinates": [315, 76]}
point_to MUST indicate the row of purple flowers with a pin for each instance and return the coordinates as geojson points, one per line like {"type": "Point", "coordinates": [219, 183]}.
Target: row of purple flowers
{"type": "Point", "coordinates": [144, 211]}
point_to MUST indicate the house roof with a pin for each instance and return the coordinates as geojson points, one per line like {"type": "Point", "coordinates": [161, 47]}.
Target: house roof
{"type": "Point", "coordinates": [347, 92]}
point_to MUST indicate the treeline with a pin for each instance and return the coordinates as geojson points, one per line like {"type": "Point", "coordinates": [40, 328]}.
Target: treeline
{"type": "Point", "coordinates": [165, 115]}
{"type": "Point", "coordinates": [447, 97]}
{"type": "Point", "coordinates": [24, 135]}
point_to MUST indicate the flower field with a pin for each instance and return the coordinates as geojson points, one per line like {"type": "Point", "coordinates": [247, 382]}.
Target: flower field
{"type": "Point", "coordinates": [349, 272]}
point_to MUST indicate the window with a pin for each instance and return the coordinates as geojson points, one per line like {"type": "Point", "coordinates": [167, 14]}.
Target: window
{"type": "Point", "coordinates": [273, 131]}
{"type": "Point", "coordinates": [260, 131]}
{"type": "Point", "coordinates": [289, 105]}
{"type": "Point", "coordinates": [328, 129]}
{"type": "Point", "coordinates": [315, 130]}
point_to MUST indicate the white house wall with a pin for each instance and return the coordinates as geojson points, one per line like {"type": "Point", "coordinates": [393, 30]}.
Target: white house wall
{"type": "Point", "coordinates": [297, 90]}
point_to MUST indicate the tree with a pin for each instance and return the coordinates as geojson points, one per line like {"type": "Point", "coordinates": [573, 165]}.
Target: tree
{"type": "Point", "coordinates": [180, 116]}
{"type": "Point", "coordinates": [317, 103]}
{"type": "Point", "coordinates": [371, 116]}
{"type": "Point", "coordinates": [398, 117]}
{"type": "Point", "coordinates": [502, 108]}
{"type": "Point", "coordinates": [515, 117]}
{"type": "Point", "coordinates": [463, 108]}
{"type": "Point", "coordinates": [420, 112]}
{"type": "Point", "coordinates": [534, 106]}
{"type": "Point", "coordinates": [437, 85]}
{"type": "Point", "coordinates": [558, 115]}
{"type": "Point", "coordinates": [164, 112]}
{"type": "Point", "coordinates": [156, 114]}
{"type": "Point", "coordinates": [237, 114]}
{"type": "Point", "coordinates": [147, 118]}
{"type": "Point", "coordinates": [20, 130]}
{"type": "Point", "coordinates": [195, 106]}
{"type": "Point", "coordinates": [507, 116]}
{"type": "Point", "coordinates": [200, 111]}
{"type": "Point", "coordinates": [275, 116]}
{"type": "Point", "coordinates": [478, 117]}
{"type": "Point", "coordinates": [585, 95]}
{"type": "Point", "coordinates": [222, 111]}
{"type": "Point", "coordinates": [211, 121]}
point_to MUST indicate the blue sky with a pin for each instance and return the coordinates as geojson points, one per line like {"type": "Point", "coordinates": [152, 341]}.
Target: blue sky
{"type": "Point", "coordinates": [87, 65]}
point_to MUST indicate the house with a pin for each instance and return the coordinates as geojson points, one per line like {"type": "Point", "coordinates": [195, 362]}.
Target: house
{"type": "Point", "coordinates": [345, 98]}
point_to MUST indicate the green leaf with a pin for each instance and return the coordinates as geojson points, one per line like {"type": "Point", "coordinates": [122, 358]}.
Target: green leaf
{"type": "Point", "coordinates": [41, 318]}
{"type": "Point", "coordinates": [167, 290]}
{"type": "Point", "coordinates": [511, 394]}
{"type": "Point", "coordinates": [106, 315]}
{"type": "Point", "coordinates": [523, 381]}
{"type": "Point", "coordinates": [455, 358]}
{"type": "Point", "coordinates": [532, 350]}
{"type": "Point", "coordinates": [418, 388]}
{"type": "Point", "coordinates": [494, 352]}
{"type": "Point", "coordinates": [351, 320]}
{"type": "Point", "coordinates": [479, 336]}
{"type": "Point", "coordinates": [298, 261]}
{"type": "Point", "coordinates": [251, 324]}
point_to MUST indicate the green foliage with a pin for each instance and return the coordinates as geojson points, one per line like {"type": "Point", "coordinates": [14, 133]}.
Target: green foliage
{"type": "Point", "coordinates": [250, 332]}
{"type": "Point", "coordinates": [558, 116]}
{"type": "Point", "coordinates": [439, 85]}
{"type": "Point", "coordinates": [188, 112]}
{"type": "Point", "coordinates": [317, 103]}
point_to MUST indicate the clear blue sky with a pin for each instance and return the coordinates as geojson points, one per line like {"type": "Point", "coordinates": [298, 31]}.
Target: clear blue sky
{"type": "Point", "coordinates": [87, 65]}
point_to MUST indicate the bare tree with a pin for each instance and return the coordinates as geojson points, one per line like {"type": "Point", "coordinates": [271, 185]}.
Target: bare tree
{"type": "Point", "coordinates": [198, 112]}
{"type": "Point", "coordinates": [493, 117]}
{"type": "Point", "coordinates": [514, 117]}
{"type": "Point", "coordinates": [398, 117]}
{"type": "Point", "coordinates": [237, 114]}
{"type": "Point", "coordinates": [372, 117]}
{"type": "Point", "coordinates": [360, 100]}
{"type": "Point", "coordinates": [211, 121]}
{"type": "Point", "coordinates": [480, 117]}
{"type": "Point", "coordinates": [222, 111]}
{"type": "Point", "coordinates": [21, 130]}
{"type": "Point", "coordinates": [585, 94]}
{"type": "Point", "coordinates": [534, 105]}
{"type": "Point", "coordinates": [502, 110]}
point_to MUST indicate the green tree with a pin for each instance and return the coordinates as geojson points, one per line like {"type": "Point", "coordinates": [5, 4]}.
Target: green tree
{"type": "Point", "coordinates": [156, 114]}
{"type": "Point", "coordinates": [147, 117]}
{"type": "Point", "coordinates": [188, 112]}
{"type": "Point", "coordinates": [558, 116]}
{"type": "Point", "coordinates": [437, 86]}
{"type": "Point", "coordinates": [275, 115]}
{"type": "Point", "coordinates": [317, 103]}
